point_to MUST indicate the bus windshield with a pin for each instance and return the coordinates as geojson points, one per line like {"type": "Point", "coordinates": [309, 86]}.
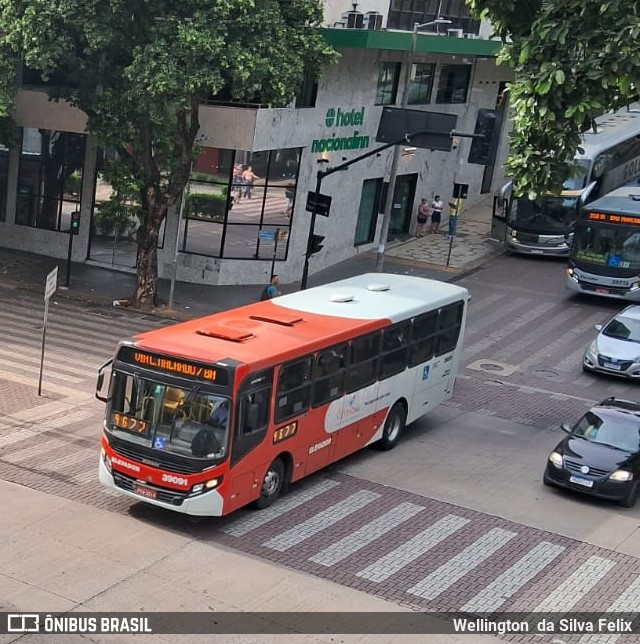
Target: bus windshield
{"type": "Point", "coordinates": [608, 245]}
{"type": "Point", "coordinates": [189, 422]}
{"type": "Point", "coordinates": [554, 213]}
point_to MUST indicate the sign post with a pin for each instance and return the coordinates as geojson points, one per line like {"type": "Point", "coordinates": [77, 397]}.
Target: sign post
{"type": "Point", "coordinates": [50, 286]}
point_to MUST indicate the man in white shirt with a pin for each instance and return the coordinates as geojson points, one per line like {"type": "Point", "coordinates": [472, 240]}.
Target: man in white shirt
{"type": "Point", "coordinates": [436, 214]}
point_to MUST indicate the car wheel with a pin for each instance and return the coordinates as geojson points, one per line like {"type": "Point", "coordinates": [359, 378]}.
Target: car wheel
{"type": "Point", "coordinates": [630, 498]}
{"type": "Point", "coordinates": [272, 484]}
{"type": "Point", "coordinates": [393, 427]}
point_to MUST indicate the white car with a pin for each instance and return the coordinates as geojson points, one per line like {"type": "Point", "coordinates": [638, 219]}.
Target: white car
{"type": "Point", "coordinates": [616, 350]}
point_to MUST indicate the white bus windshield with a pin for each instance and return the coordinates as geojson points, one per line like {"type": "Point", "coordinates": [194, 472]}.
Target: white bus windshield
{"type": "Point", "coordinates": [608, 245]}
{"type": "Point", "coordinates": [554, 213]}
{"type": "Point", "coordinates": [189, 422]}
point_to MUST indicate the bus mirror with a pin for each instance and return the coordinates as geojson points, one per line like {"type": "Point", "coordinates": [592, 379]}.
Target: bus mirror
{"type": "Point", "coordinates": [100, 382]}
{"type": "Point", "coordinates": [584, 197]}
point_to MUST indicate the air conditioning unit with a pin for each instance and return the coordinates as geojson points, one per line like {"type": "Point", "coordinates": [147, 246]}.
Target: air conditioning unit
{"type": "Point", "coordinates": [470, 35]}
{"type": "Point", "coordinates": [339, 24]}
{"type": "Point", "coordinates": [454, 33]}
{"type": "Point", "coordinates": [373, 20]}
{"type": "Point", "coordinates": [353, 19]}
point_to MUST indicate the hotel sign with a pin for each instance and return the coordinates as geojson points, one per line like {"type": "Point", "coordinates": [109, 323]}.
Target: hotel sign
{"type": "Point", "coordinates": [339, 118]}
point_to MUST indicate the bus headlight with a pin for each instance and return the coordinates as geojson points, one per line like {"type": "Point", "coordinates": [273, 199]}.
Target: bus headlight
{"type": "Point", "coordinates": [198, 488]}
{"type": "Point", "coordinates": [636, 285]}
{"type": "Point", "coordinates": [571, 274]}
{"type": "Point", "coordinates": [106, 459]}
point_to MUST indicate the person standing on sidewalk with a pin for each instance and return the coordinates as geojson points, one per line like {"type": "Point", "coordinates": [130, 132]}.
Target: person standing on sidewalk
{"type": "Point", "coordinates": [436, 214]}
{"type": "Point", "coordinates": [423, 217]}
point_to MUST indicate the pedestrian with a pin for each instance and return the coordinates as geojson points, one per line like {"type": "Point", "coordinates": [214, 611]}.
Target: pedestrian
{"type": "Point", "coordinates": [423, 216]}
{"type": "Point", "coordinates": [289, 194]}
{"type": "Point", "coordinates": [248, 177]}
{"type": "Point", "coordinates": [236, 183]}
{"type": "Point", "coordinates": [271, 290]}
{"type": "Point", "coordinates": [436, 214]}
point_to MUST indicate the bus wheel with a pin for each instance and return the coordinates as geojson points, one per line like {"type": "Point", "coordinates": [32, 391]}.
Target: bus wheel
{"type": "Point", "coordinates": [393, 427]}
{"type": "Point", "coordinates": [271, 485]}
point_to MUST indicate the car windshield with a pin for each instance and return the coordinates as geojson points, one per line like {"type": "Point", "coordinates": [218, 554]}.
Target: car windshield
{"type": "Point", "coordinates": [607, 244]}
{"type": "Point", "coordinates": [190, 422]}
{"type": "Point", "coordinates": [623, 328]}
{"type": "Point", "coordinates": [619, 430]}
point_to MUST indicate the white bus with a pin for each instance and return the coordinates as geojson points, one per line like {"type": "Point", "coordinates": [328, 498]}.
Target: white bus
{"type": "Point", "coordinates": [610, 156]}
{"type": "Point", "coordinates": [605, 251]}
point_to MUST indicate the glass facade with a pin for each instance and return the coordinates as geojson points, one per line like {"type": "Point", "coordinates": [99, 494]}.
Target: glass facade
{"type": "Point", "coordinates": [239, 203]}
{"type": "Point", "coordinates": [420, 83]}
{"type": "Point", "coordinates": [453, 85]}
{"type": "Point", "coordinates": [388, 78]}
{"type": "Point", "coordinates": [403, 14]}
{"type": "Point", "coordinates": [49, 178]}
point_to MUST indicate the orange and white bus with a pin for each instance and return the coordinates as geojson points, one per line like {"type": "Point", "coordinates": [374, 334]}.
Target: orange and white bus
{"type": "Point", "coordinates": [206, 416]}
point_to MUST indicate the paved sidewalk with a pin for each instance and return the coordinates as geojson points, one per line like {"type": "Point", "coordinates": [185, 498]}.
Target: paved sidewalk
{"type": "Point", "coordinates": [100, 285]}
{"type": "Point", "coordinates": [60, 556]}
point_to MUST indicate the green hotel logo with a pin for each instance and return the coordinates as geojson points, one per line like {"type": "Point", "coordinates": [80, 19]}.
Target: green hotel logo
{"type": "Point", "coordinates": [342, 118]}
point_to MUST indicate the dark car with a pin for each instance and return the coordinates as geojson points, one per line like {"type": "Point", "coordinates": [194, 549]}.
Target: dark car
{"type": "Point", "coordinates": [600, 455]}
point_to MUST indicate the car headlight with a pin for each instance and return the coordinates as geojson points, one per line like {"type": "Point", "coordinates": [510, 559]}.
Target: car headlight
{"type": "Point", "coordinates": [621, 475]}
{"type": "Point", "coordinates": [593, 348]}
{"type": "Point", "coordinates": [556, 459]}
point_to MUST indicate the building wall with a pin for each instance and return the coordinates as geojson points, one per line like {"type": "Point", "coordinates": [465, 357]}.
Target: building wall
{"type": "Point", "coordinates": [348, 85]}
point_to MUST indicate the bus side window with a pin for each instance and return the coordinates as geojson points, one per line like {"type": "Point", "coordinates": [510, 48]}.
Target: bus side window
{"type": "Point", "coordinates": [254, 411]}
{"type": "Point", "coordinates": [423, 335]}
{"type": "Point", "coordinates": [363, 362]}
{"type": "Point", "coordinates": [328, 374]}
{"type": "Point", "coordinates": [449, 323]}
{"type": "Point", "coordinates": [294, 389]}
{"type": "Point", "coordinates": [395, 341]}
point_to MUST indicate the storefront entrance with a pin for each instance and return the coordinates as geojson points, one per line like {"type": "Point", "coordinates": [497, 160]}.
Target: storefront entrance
{"type": "Point", "coordinates": [401, 207]}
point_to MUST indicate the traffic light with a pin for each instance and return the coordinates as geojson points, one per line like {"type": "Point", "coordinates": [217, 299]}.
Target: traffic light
{"type": "Point", "coordinates": [316, 244]}
{"type": "Point", "coordinates": [74, 228]}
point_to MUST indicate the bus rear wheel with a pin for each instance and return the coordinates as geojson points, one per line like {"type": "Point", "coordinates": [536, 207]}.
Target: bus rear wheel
{"type": "Point", "coordinates": [272, 485]}
{"type": "Point", "coordinates": [393, 427]}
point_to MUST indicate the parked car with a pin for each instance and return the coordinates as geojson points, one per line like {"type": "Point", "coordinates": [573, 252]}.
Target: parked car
{"type": "Point", "coordinates": [600, 455]}
{"type": "Point", "coordinates": [616, 350]}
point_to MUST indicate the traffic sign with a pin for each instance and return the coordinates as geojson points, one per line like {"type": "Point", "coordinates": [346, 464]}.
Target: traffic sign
{"type": "Point", "coordinates": [51, 284]}
{"type": "Point", "coordinates": [323, 203]}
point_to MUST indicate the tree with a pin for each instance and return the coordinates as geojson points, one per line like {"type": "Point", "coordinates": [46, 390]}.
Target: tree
{"type": "Point", "coordinates": [573, 60]}
{"type": "Point", "coordinates": [140, 69]}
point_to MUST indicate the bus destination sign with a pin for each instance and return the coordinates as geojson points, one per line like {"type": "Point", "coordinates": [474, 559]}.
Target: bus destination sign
{"type": "Point", "coordinates": [613, 219]}
{"type": "Point", "coordinates": [177, 366]}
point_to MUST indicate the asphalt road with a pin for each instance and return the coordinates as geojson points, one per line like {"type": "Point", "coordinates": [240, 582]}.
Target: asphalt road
{"type": "Point", "coordinates": [454, 517]}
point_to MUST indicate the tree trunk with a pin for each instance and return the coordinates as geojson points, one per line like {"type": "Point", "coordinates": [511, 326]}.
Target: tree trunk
{"type": "Point", "coordinates": [146, 296]}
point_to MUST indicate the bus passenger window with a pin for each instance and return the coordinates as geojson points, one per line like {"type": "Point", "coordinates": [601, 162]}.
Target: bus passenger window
{"type": "Point", "coordinates": [328, 372]}
{"type": "Point", "coordinates": [294, 389]}
{"type": "Point", "coordinates": [423, 338]}
{"type": "Point", "coordinates": [254, 411]}
{"type": "Point", "coordinates": [394, 350]}
{"type": "Point", "coordinates": [363, 363]}
{"type": "Point", "coordinates": [449, 322]}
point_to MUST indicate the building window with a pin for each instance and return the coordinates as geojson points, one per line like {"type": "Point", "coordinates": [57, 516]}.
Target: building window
{"type": "Point", "coordinates": [453, 85]}
{"type": "Point", "coordinates": [308, 93]}
{"type": "Point", "coordinates": [49, 178]}
{"type": "Point", "coordinates": [420, 83]}
{"type": "Point", "coordinates": [388, 77]}
{"type": "Point", "coordinates": [368, 212]}
{"type": "Point", "coordinates": [403, 14]}
{"type": "Point", "coordinates": [240, 204]}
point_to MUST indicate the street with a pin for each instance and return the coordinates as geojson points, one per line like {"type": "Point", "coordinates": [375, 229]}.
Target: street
{"type": "Point", "coordinates": [455, 518]}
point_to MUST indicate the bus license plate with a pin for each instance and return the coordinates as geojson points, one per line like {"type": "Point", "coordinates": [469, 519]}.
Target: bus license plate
{"type": "Point", "coordinates": [146, 492]}
{"type": "Point", "coordinates": [610, 365]}
{"type": "Point", "coordinates": [580, 481]}
{"type": "Point", "coordinates": [602, 290]}
{"type": "Point", "coordinates": [537, 252]}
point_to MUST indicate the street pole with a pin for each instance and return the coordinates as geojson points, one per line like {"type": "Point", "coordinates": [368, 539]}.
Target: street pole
{"type": "Point", "coordinates": [174, 263]}
{"type": "Point", "coordinates": [314, 212]}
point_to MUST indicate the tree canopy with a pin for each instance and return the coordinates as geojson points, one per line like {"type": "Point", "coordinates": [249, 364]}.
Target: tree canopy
{"type": "Point", "coordinates": [140, 69]}
{"type": "Point", "coordinates": [573, 60]}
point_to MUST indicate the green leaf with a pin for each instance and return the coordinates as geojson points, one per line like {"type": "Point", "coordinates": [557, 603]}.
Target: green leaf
{"type": "Point", "coordinates": [559, 77]}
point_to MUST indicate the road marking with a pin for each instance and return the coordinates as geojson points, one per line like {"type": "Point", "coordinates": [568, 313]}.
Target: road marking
{"type": "Point", "coordinates": [321, 521]}
{"type": "Point", "coordinates": [464, 562]}
{"type": "Point", "coordinates": [627, 602]}
{"type": "Point", "coordinates": [250, 522]}
{"type": "Point", "coordinates": [576, 586]}
{"type": "Point", "coordinates": [403, 555]}
{"type": "Point", "coordinates": [366, 534]}
{"type": "Point", "coordinates": [514, 578]}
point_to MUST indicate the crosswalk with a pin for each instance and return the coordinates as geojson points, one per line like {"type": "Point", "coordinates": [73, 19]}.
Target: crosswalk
{"type": "Point", "coordinates": [427, 554]}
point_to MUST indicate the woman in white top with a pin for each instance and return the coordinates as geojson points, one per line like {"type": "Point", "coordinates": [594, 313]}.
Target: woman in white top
{"type": "Point", "coordinates": [436, 214]}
